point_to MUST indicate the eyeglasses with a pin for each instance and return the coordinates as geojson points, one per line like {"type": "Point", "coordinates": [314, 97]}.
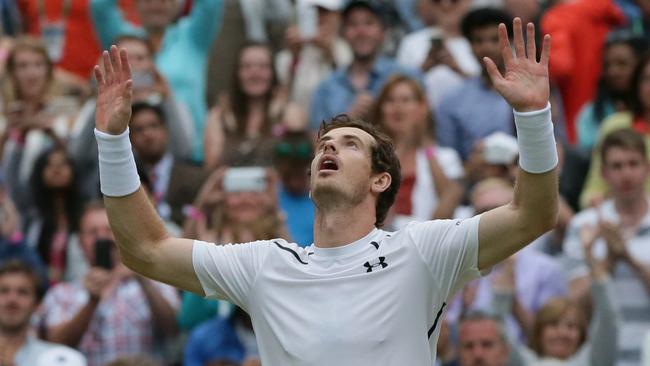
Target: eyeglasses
{"type": "Point", "coordinates": [302, 150]}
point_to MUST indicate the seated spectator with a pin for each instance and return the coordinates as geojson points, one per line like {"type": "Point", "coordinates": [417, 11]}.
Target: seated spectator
{"type": "Point", "coordinates": [622, 225]}
{"type": "Point", "coordinates": [474, 110]}
{"type": "Point", "coordinates": [174, 183]}
{"type": "Point", "coordinates": [482, 341]}
{"type": "Point", "coordinates": [308, 59]}
{"type": "Point", "coordinates": [52, 222]}
{"type": "Point", "coordinates": [36, 117]}
{"type": "Point", "coordinates": [494, 156]}
{"type": "Point", "coordinates": [579, 29]}
{"type": "Point", "coordinates": [561, 332]}
{"type": "Point", "coordinates": [440, 50]}
{"type": "Point", "coordinates": [536, 277]}
{"type": "Point", "coordinates": [174, 42]}
{"type": "Point", "coordinates": [293, 155]}
{"type": "Point", "coordinates": [596, 189]}
{"type": "Point", "coordinates": [19, 299]}
{"type": "Point", "coordinates": [229, 340]}
{"type": "Point", "coordinates": [352, 89]}
{"type": "Point", "coordinates": [241, 127]}
{"type": "Point", "coordinates": [429, 172]}
{"type": "Point", "coordinates": [148, 86]}
{"type": "Point", "coordinates": [233, 206]}
{"type": "Point", "coordinates": [620, 56]}
{"type": "Point", "coordinates": [111, 312]}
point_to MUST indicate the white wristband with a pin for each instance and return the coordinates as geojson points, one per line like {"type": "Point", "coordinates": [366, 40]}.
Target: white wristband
{"type": "Point", "coordinates": [118, 175]}
{"type": "Point", "coordinates": [537, 150]}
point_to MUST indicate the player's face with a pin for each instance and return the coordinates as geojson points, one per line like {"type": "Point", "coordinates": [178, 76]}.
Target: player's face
{"type": "Point", "coordinates": [17, 301]}
{"type": "Point", "coordinates": [481, 344]}
{"type": "Point", "coordinates": [561, 339]}
{"type": "Point", "coordinates": [625, 171]}
{"type": "Point", "coordinates": [342, 165]}
{"type": "Point", "coordinates": [402, 111]}
{"type": "Point", "coordinates": [364, 32]}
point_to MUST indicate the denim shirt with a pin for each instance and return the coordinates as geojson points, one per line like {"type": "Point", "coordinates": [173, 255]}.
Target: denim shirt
{"type": "Point", "coordinates": [336, 94]}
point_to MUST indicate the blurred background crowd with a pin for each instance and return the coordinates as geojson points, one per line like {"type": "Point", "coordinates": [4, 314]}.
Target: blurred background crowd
{"type": "Point", "coordinates": [228, 99]}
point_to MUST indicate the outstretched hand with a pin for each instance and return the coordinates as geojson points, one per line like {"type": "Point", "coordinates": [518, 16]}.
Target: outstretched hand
{"type": "Point", "coordinates": [525, 84]}
{"type": "Point", "coordinates": [115, 90]}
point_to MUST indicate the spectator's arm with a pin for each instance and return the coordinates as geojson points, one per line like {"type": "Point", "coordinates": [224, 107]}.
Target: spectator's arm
{"type": "Point", "coordinates": [181, 133]}
{"type": "Point", "coordinates": [502, 303]}
{"type": "Point", "coordinates": [604, 334]}
{"type": "Point", "coordinates": [204, 22]}
{"type": "Point", "coordinates": [109, 21]}
{"type": "Point", "coordinates": [70, 332]}
{"type": "Point", "coordinates": [163, 314]}
{"type": "Point", "coordinates": [214, 139]}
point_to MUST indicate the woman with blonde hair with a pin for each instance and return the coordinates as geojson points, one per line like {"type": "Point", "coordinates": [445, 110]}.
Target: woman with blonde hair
{"type": "Point", "coordinates": [429, 189]}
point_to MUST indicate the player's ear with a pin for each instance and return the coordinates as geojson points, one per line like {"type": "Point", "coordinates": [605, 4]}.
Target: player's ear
{"type": "Point", "coordinates": [381, 182]}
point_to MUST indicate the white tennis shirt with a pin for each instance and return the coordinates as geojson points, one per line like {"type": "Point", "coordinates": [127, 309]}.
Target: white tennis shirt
{"type": "Point", "coordinates": [377, 301]}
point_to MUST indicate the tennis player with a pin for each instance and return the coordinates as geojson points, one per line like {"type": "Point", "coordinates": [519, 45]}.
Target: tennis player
{"type": "Point", "coordinates": [359, 295]}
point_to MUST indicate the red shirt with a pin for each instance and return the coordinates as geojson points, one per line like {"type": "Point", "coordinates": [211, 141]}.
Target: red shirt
{"type": "Point", "coordinates": [81, 49]}
{"type": "Point", "coordinates": [578, 29]}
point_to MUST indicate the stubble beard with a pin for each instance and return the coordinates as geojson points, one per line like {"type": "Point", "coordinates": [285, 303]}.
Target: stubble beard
{"type": "Point", "coordinates": [331, 197]}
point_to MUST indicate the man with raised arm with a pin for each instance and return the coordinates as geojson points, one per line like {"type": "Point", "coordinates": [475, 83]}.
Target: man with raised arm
{"type": "Point", "coordinates": [359, 295]}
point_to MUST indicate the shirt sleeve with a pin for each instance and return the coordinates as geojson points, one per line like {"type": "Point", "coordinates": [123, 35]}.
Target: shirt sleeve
{"type": "Point", "coordinates": [60, 304]}
{"type": "Point", "coordinates": [229, 271]}
{"type": "Point", "coordinates": [450, 250]}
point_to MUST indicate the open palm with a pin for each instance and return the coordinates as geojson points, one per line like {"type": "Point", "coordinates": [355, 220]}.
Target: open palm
{"type": "Point", "coordinates": [525, 85]}
{"type": "Point", "coordinates": [115, 89]}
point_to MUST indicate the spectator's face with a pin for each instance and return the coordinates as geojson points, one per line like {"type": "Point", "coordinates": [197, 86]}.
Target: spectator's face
{"type": "Point", "coordinates": [363, 30]}
{"type": "Point", "coordinates": [644, 87]}
{"type": "Point", "coordinates": [58, 172]}
{"type": "Point", "coordinates": [92, 227]}
{"type": "Point", "coordinates": [620, 62]}
{"type": "Point", "coordinates": [489, 199]}
{"type": "Point", "coordinates": [449, 12]}
{"type": "Point", "coordinates": [30, 74]}
{"type": "Point", "coordinates": [402, 111]}
{"type": "Point", "coordinates": [139, 56]}
{"type": "Point", "coordinates": [156, 14]}
{"type": "Point", "coordinates": [17, 302]}
{"type": "Point", "coordinates": [625, 171]}
{"type": "Point", "coordinates": [561, 339]}
{"type": "Point", "coordinates": [247, 207]}
{"type": "Point", "coordinates": [255, 71]}
{"type": "Point", "coordinates": [348, 178]}
{"type": "Point", "coordinates": [485, 43]}
{"type": "Point", "coordinates": [481, 344]}
{"type": "Point", "coordinates": [148, 136]}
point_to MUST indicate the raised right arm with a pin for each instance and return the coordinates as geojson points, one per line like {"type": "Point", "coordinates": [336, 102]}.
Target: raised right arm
{"type": "Point", "coordinates": [144, 244]}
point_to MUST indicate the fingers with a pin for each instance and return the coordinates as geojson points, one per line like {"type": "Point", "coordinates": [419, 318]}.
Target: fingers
{"type": "Point", "coordinates": [493, 71]}
{"type": "Point", "coordinates": [109, 74]}
{"type": "Point", "coordinates": [126, 67]}
{"type": "Point", "coordinates": [518, 35]}
{"type": "Point", "coordinates": [115, 60]}
{"type": "Point", "coordinates": [98, 75]}
{"type": "Point", "coordinates": [531, 49]}
{"type": "Point", "coordinates": [504, 44]}
{"type": "Point", "coordinates": [546, 50]}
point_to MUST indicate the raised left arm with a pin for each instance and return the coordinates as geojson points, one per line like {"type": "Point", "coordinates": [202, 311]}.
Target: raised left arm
{"type": "Point", "coordinates": [533, 210]}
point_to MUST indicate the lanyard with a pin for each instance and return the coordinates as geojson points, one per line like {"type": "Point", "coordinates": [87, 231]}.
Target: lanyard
{"type": "Point", "coordinates": [42, 14]}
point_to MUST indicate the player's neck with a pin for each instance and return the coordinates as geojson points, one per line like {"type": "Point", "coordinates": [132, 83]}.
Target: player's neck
{"type": "Point", "coordinates": [342, 226]}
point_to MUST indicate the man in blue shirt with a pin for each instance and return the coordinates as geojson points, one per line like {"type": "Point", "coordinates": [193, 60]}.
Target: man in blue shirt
{"type": "Point", "coordinates": [475, 110]}
{"type": "Point", "coordinates": [352, 89]}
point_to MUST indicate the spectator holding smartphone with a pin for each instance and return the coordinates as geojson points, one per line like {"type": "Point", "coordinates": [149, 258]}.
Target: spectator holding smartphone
{"type": "Point", "coordinates": [111, 312]}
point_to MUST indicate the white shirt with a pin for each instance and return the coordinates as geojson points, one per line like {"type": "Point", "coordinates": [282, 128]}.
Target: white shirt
{"type": "Point", "coordinates": [377, 301]}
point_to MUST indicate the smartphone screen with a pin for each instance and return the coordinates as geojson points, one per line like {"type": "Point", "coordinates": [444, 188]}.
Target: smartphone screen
{"type": "Point", "coordinates": [103, 257]}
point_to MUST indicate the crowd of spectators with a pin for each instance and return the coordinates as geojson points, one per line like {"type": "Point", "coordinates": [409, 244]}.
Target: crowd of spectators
{"type": "Point", "coordinates": [229, 96]}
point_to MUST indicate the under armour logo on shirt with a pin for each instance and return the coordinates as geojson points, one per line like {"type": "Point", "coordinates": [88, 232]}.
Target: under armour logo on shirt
{"type": "Point", "coordinates": [380, 263]}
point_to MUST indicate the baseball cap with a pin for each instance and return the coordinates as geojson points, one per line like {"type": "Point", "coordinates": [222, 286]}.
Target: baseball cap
{"type": "Point", "coordinates": [332, 5]}
{"type": "Point", "coordinates": [369, 5]}
{"type": "Point", "coordinates": [500, 149]}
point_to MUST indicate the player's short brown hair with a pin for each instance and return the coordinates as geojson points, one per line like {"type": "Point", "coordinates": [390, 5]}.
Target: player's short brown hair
{"type": "Point", "coordinates": [627, 139]}
{"type": "Point", "coordinates": [383, 159]}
